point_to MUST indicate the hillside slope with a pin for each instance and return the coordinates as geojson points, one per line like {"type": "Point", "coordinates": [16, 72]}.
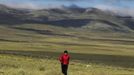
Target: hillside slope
{"type": "Point", "coordinates": [85, 18]}
{"type": "Point", "coordinates": [83, 30]}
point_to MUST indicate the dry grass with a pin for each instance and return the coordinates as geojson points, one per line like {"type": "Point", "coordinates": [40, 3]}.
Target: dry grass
{"type": "Point", "coordinates": [18, 65]}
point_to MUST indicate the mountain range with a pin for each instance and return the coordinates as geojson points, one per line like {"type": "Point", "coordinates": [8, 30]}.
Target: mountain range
{"type": "Point", "coordinates": [92, 19]}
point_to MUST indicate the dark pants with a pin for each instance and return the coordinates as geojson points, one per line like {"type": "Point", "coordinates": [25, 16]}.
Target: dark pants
{"type": "Point", "coordinates": [64, 69]}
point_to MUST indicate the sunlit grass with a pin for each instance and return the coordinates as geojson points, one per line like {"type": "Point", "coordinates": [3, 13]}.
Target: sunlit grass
{"type": "Point", "coordinates": [16, 65]}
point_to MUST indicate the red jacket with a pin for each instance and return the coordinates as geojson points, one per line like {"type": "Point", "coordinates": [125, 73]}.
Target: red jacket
{"type": "Point", "coordinates": [64, 59]}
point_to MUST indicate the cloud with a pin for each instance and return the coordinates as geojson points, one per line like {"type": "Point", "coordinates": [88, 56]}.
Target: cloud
{"type": "Point", "coordinates": [23, 5]}
{"type": "Point", "coordinates": [118, 10]}
{"type": "Point", "coordinates": [29, 5]}
{"type": "Point", "coordinates": [124, 12]}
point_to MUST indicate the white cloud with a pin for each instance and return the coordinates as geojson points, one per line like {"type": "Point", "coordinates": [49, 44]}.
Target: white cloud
{"type": "Point", "coordinates": [32, 5]}
{"type": "Point", "coordinates": [117, 10]}
{"type": "Point", "coordinates": [27, 5]}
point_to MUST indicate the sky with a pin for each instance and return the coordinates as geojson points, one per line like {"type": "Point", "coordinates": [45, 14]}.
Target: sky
{"type": "Point", "coordinates": [55, 3]}
{"type": "Point", "coordinates": [123, 6]}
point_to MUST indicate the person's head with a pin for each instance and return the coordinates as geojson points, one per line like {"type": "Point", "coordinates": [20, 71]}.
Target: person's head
{"type": "Point", "coordinates": [65, 52]}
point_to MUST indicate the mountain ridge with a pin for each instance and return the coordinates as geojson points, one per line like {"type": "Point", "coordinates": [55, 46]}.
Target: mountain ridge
{"type": "Point", "coordinates": [76, 17]}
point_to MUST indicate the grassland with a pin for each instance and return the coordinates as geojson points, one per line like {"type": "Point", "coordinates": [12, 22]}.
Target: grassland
{"type": "Point", "coordinates": [20, 65]}
{"type": "Point", "coordinates": [52, 38]}
{"type": "Point", "coordinates": [32, 49]}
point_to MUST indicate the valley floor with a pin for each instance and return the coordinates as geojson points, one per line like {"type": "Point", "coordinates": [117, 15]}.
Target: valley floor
{"type": "Point", "coordinates": [32, 49]}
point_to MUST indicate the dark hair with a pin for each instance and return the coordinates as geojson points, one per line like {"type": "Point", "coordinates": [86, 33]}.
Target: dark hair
{"type": "Point", "coordinates": [65, 51]}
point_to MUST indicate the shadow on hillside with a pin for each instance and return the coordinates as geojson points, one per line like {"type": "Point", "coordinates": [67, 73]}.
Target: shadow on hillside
{"type": "Point", "coordinates": [14, 20]}
{"type": "Point", "coordinates": [44, 32]}
{"type": "Point", "coordinates": [112, 60]}
{"type": "Point", "coordinates": [70, 22]}
{"type": "Point", "coordinates": [18, 19]}
{"type": "Point", "coordinates": [130, 24]}
{"type": "Point", "coordinates": [6, 40]}
{"type": "Point", "coordinates": [78, 22]}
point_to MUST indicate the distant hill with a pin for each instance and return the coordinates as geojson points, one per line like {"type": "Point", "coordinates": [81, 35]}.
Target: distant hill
{"type": "Point", "coordinates": [82, 18]}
